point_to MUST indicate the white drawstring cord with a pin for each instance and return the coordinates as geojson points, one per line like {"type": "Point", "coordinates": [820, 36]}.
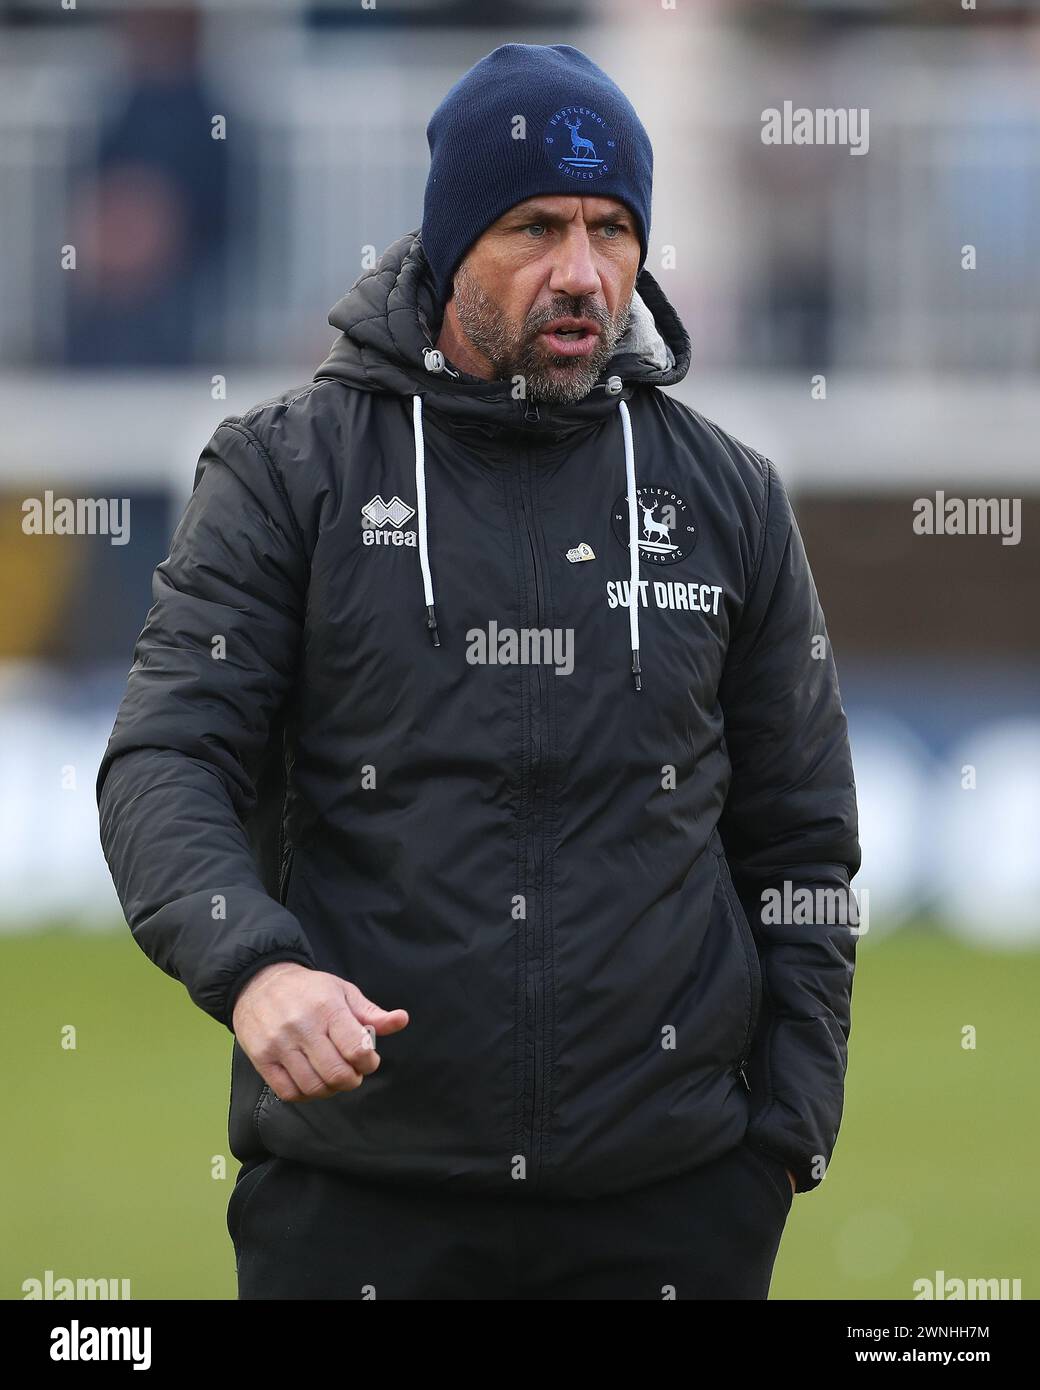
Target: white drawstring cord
{"type": "Point", "coordinates": [633, 541]}
{"type": "Point", "coordinates": [420, 493]}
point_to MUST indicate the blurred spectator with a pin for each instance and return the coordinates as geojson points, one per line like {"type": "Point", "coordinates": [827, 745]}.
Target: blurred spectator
{"type": "Point", "coordinates": [150, 223]}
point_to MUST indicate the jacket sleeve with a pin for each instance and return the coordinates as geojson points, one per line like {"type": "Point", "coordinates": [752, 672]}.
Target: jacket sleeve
{"type": "Point", "coordinates": [211, 668]}
{"type": "Point", "coordinates": [790, 816]}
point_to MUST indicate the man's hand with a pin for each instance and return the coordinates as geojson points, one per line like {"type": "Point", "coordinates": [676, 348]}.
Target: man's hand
{"type": "Point", "coordinates": [307, 1032]}
{"type": "Point", "coordinates": [794, 1182]}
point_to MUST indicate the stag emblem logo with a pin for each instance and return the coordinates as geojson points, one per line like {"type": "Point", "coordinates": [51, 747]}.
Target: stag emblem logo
{"type": "Point", "coordinates": [653, 528]}
{"type": "Point", "coordinates": [665, 532]}
{"type": "Point", "coordinates": [579, 143]}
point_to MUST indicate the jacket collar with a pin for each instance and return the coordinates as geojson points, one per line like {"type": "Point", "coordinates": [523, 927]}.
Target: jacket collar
{"type": "Point", "coordinates": [389, 321]}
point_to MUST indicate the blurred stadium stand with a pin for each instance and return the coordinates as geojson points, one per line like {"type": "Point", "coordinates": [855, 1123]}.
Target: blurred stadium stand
{"type": "Point", "coordinates": [201, 258]}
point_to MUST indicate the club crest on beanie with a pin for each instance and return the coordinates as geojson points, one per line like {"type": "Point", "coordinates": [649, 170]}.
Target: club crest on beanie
{"type": "Point", "coordinates": [528, 119]}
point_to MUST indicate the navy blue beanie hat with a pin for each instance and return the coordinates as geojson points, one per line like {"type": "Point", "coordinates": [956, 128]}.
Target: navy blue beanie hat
{"type": "Point", "coordinates": [579, 136]}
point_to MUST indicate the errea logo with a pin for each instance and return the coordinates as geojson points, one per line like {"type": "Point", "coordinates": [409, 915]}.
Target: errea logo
{"type": "Point", "coordinates": [376, 513]}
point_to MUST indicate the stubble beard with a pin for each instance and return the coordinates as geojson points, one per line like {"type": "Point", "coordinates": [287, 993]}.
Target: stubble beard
{"type": "Point", "coordinates": [547, 376]}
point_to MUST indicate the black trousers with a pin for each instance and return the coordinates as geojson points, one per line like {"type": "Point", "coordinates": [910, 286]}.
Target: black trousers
{"type": "Point", "coordinates": [307, 1233]}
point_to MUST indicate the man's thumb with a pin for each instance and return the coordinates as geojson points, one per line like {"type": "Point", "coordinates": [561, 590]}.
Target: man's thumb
{"type": "Point", "coordinates": [367, 1013]}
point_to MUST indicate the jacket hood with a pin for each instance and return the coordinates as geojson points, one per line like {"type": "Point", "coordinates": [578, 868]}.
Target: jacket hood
{"type": "Point", "coordinates": [389, 321]}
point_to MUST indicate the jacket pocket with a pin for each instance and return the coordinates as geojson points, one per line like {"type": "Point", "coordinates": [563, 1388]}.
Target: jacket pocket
{"type": "Point", "coordinates": [249, 1179]}
{"type": "Point", "coordinates": [749, 947]}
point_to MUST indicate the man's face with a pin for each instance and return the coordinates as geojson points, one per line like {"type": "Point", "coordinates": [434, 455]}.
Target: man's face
{"type": "Point", "coordinates": [545, 292]}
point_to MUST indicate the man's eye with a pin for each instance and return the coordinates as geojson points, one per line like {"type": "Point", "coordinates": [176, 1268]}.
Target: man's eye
{"type": "Point", "coordinates": [614, 228]}
{"type": "Point", "coordinates": [536, 228]}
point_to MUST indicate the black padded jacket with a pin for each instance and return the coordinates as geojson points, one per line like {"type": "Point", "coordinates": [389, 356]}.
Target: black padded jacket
{"type": "Point", "coordinates": [393, 715]}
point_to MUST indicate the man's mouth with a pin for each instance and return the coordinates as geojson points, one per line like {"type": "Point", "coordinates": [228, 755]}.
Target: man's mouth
{"type": "Point", "coordinates": [571, 337]}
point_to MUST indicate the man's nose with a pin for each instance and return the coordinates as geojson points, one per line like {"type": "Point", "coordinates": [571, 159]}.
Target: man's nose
{"type": "Point", "coordinates": [574, 272]}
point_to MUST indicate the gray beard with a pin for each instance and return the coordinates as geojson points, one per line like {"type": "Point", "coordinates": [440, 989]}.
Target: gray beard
{"type": "Point", "coordinates": [552, 378]}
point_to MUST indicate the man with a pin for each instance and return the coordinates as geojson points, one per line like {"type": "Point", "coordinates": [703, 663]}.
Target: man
{"type": "Point", "coordinates": [484, 703]}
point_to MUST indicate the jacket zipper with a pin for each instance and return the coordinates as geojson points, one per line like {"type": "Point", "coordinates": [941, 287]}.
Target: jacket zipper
{"type": "Point", "coordinates": [288, 855]}
{"type": "Point", "coordinates": [534, 992]}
